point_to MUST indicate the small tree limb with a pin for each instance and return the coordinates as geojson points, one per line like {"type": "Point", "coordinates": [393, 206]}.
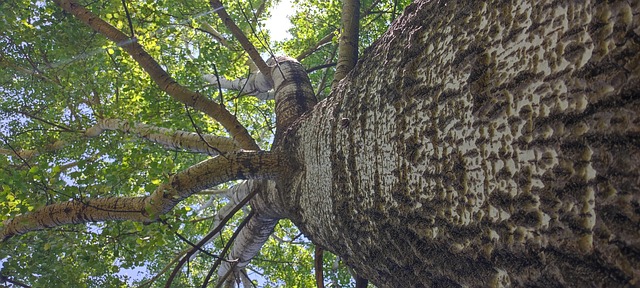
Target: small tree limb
{"type": "Point", "coordinates": [317, 263]}
{"type": "Point", "coordinates": [205, 27]}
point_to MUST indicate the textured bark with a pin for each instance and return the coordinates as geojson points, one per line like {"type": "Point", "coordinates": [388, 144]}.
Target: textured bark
{"type": "Point", "coordinates": [480, 144]}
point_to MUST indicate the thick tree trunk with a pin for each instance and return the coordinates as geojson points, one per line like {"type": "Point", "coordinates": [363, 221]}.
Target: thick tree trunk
{"type": "Point", "coordinates": [480, 144]}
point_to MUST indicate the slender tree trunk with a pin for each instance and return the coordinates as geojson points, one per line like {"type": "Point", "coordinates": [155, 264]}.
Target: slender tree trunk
{"type": "Point", "coordinates": [480, 144]}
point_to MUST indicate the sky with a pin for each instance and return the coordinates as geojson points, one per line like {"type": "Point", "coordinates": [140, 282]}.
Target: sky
{"type": "Point", "coordinates": [279, 24]}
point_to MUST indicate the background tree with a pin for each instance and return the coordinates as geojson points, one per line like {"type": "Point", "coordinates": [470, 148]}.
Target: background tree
{"type": "Point", "coordinates": [473, 145]}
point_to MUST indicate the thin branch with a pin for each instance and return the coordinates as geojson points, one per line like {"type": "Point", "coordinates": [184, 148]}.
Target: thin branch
{"type": "Point", "coordinates": [195, 127]}
{"type": "Point", "coordinates": [264, 44]}
{"type": "Point", "coordinates": [175, 259]}
{"type": "Point", "coordinates": [34, 117]}
{"type": "Point", "coordinates": [210, 235]}
{"type": "Point", "coordinates": [126, 12]}
{"type": "Point", "coordinates": [244, 277]}
{"type": "Point", "coordinates": [4, 62]}
{"type": "Point", "coordinates": [325, 75]}
{"type": "Point", "coordinates": [14, 282]}
{"type": "Point", "coordinates": [244, 41]}
{"type": "Point", "coordinates": [368, 10]}
{"type": "Point", "coordinates": [160, 76]}
{"type": "Point", "coordinates": [184, 239]}
{"type": "Point", "coordinates": [323, 66]}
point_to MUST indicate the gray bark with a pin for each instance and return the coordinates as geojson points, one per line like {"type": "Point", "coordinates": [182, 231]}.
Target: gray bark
{"type": "Point", "coordinates": [479, 144]}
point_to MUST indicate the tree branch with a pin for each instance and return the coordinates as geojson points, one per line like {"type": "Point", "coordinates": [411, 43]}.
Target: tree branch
{"type": "Point", "coordinates": [26, 154]}
{"type": "Point", "coordinates": [348, 44]}
{"type": "Point", "coordinates": [211, 234]}
{"type": "Point", "coordinates": [227, 247]}
{"type": "Point", "coordinates": [326, 39]}
{"type": "Point", "coordinates": [317, 264]}
{"type": "Point", "coordinates": [249, 242]}
{"type": "Point", "coordinates": [256, 84]}
{"type": "Point", "coordinates": [160, 76]}
{"type": "Point", "coordinates": [206, 174]}
{"type": "Point", "coordinates": [166, 137]}
{"type": "Point", "coordinates": [14, 282]}
{"type": "Point", "coordinates": [323, 66]}
{"type": "Point", "coordinates": [244, 41]}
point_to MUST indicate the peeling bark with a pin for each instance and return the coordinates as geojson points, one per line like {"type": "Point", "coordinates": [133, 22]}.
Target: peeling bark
{"type": "Point", "coordinates": [480, 144]}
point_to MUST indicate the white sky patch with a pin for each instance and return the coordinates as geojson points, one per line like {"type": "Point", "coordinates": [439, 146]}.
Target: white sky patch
{"type": "Point", "coordinates": [279, 23]}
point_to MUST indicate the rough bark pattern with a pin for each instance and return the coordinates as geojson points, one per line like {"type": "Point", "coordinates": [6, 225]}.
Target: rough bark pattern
{"type": "Point", "coordinates": [482, 144]}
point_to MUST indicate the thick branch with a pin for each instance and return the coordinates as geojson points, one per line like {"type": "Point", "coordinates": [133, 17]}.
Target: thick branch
{"type": "Point", "coordinates": [206, 174]}
{"type": "Point", "coordinates": [257, 85]}
{"type": "Point", "coordinates": [246, 44]}
{"type": "Point", "coordinates": [160, 76]}
{"type": "Point", "coordinates": [249, 242]}
{"type": "Point", "coordinates": [167, 137]}
{"type": "Point", "coordinates": [348, 44]}
{"type": "Point", "coordinates": [163, 136]}
{"type": "Point", "coordinates": [294, 94]}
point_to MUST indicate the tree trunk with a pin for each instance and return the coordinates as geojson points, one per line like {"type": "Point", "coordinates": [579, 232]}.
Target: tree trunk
{"type": "Point", "coordinates": [480, 144]}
